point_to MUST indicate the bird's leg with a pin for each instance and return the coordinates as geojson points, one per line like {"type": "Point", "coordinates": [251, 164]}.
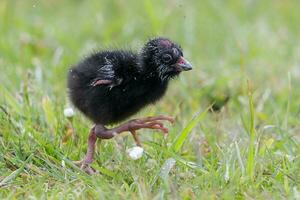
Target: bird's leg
{"type": "Point", "coordinates": [99, 131]}
{"type": "Point", "coordinates": [132, 126]}
{"type": "Point", "coordinates": [88, 159]}
{"type": "Point", "coordinates": [136, 138]}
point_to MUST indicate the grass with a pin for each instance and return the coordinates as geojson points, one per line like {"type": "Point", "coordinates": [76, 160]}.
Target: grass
{"type": "Point", "coordinates": [237, 113]}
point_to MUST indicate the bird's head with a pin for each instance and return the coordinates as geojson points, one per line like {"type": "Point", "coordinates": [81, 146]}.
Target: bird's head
{"type": "Point", "coordinates": [163, 57]}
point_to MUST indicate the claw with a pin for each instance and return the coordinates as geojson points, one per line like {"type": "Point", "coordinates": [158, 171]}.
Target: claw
{"type": "Point", "coordinates": [150, 123]}
{"type": "Point", "coordinates": [85, 167]}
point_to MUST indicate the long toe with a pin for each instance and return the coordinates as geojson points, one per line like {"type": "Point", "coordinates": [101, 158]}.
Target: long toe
{"type": "Point", "coordinates": [85, 167]}
{"type": "Point", "coordinates": [78, 163]}
{"type": "Point", "coordinates": [139, 124]}
{"type": "Point", "coordinates": [155, 125]}
{"type": "Point", "coordinates": [158, 118]}
{"type": "Point", "coordinates": [89, 170]}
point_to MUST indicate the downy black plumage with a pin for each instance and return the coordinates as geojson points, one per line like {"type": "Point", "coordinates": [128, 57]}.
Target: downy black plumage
{"type": "Point", "coordinates": [110, 86]}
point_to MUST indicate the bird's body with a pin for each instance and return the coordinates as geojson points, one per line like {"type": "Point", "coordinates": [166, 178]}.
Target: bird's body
{"type": "Point", "coordinates": [131, 87]}
{"type": "Point", "coordinates": [110, 86]}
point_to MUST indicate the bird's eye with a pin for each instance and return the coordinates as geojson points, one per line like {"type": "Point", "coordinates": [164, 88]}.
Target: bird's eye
{"type": "Point", "coordinates": [167, 58]}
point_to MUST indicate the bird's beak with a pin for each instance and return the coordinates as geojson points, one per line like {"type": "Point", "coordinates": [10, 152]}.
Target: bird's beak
{"type": "Point", "coordinates": [183, 65]}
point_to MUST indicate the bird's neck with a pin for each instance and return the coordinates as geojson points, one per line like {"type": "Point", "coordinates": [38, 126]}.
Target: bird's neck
{"type": "Point", "coordinates": [153, 80]}
{"type": "Point", "coordinates": [148, 70]}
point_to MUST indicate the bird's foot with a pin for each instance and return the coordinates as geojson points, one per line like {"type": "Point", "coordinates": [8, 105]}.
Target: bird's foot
{"type": "Point", "coordinates": [85, 166]}
{"type": "Point", "coordinates": [148, 122]}
{"type": "Point", "coordinates": [85, 163]}
{"type": "Point", "coordinates": [134, 125]}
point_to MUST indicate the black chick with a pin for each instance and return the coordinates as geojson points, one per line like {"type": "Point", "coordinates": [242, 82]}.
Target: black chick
{"type": "Point", "coordinates": [110, 86]}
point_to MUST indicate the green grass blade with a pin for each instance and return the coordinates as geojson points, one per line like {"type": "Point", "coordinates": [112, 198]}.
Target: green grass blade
{"type": "Point", "coordinates": [237, 148]}
{"type": "Point", "coordinates": [251, 131]}
{"type": "Point", "coordinates": [15, 173]}
{"type": "Point", "coordinates": [166, 168]}
{"type": "Point", "coordinates": [105, 171]}
{"type": "Point", "coordinates": [11, 100]}
{"type": "Point", "coordinates": [184, 133]}
{"type": "Point", "coordinates": [49, 112]}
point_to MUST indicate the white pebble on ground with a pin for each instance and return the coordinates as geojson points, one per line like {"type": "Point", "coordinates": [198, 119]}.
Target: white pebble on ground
{"type": "Point", "coordinates": [135, 152]}
{"type": "Point", "coordinates": [69, 112]}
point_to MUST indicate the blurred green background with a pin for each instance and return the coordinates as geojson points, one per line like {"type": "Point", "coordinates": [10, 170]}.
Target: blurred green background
{"type": "Point", "coordinates": [236, 48]}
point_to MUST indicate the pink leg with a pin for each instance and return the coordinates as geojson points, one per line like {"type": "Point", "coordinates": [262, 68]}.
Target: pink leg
{"type": "Point", "coordinates": [88, 159]}
{"type": "Point", "coordinates": [132, 126]}
{"type": "Point", "coordinates": [99, 131]}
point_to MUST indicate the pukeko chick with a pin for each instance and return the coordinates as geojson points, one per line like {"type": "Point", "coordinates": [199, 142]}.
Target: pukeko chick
{"type": "Point", "coordinates": [110, 86]}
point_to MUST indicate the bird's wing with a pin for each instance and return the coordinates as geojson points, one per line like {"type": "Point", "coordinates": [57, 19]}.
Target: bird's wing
{"type": "Point", "coordinates": [106, 77]}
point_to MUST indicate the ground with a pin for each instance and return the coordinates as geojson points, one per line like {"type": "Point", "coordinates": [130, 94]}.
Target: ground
{"type": "Point", "coordinates": [237, 128]}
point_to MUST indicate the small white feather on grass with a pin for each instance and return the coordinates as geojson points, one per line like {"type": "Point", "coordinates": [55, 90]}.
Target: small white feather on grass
{"type": "Point", "coordinates": [135, 152]}
{"type": "Point", "coordinates": [69, 112]}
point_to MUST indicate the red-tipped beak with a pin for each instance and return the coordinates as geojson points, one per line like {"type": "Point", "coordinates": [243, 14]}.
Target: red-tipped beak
{"type": "Point", "coordinates": [183, 65]}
